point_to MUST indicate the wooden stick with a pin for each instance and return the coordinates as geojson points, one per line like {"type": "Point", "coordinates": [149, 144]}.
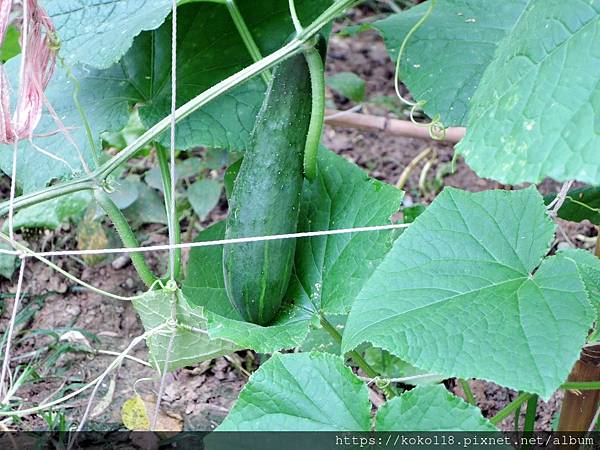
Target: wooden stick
{"type": "Point", "coordinates": [579, 408]}
{"type": "Point", "coordinates": [395, 127]}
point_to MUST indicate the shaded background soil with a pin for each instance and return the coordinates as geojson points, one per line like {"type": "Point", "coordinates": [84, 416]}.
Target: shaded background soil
{"type": "Point", "coordinates": [199, 397]}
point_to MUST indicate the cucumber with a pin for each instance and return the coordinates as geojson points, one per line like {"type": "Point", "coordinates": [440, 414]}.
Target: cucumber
{"type": "Point", "coordinates": [266, 196]}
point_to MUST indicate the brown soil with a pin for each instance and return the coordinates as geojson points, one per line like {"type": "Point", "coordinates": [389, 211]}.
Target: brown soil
{"type": "Point", "coordinates": [199, 397]}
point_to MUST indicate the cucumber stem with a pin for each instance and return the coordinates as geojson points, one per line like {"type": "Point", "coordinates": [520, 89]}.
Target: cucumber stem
{"type": "Point", "coordinates": [315, 127]}
{"type": "Point", "coordinates": [126, 234]}
{"type": "Point", "coordinates": [172, 222]}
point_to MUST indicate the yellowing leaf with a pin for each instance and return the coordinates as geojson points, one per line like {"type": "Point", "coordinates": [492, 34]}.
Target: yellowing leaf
{"type": "Point", "coordinates": [134, 414]}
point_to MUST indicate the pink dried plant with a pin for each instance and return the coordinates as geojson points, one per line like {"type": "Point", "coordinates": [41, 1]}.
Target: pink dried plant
{"type": "Point", "coordinates": [39, 53]}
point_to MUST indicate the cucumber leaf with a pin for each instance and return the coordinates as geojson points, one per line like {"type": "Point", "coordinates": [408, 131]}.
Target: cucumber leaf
{"type": "Point", "coordinates": [52, 213]}
{"type": "Point", "coordinates": [431, 409]}
{"type": "Point", "coordinates": [533, 114]}
{"type": "Point", "coordinates": [589, 270]}
{"type": "Point", "coordinates": [331, 270]}
{"type": "Point", "coordinates": [471, 295]}
{"type": "Point", "coordinates": [99, 33]}
{"type": "Point", "coordinates": [349, 85]}
{"type": "Point", "coordinates": [446, 57]}
{"type": "Point", "coordinates": [189, 347]}
{"type": "Point", "coordinates": [281, 396]}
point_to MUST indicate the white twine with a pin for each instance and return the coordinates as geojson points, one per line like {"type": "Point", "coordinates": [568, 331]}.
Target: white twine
{"type": "Point", "coordinates": [173, 213]}
{"type": "Point", "coordinates": [155, 248]}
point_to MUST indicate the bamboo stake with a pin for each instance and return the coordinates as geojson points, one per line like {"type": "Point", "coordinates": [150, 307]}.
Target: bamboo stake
{"type": "Point", "coordinates": [579, 407]}
{"type": "Point", "coordinates": [396, 127]}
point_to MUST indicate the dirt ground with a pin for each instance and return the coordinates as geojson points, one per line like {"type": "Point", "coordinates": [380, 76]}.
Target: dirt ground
{"type": "Point", "coordinates": [199, 397]}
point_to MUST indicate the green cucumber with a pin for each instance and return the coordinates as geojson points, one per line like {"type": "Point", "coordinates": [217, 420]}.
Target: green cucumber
{"type": "Point", "coordinates": [266, 196]}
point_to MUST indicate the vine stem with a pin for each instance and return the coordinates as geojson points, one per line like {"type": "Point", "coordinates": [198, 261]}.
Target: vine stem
{"type": "Point", "coordinates": [295, 46]}
{"type": "Point", "coordinates": [126, 234]}
{"type": "Point", "coordinates": [173, 222]}
{"type": "Point", "coordinates": [354, 355]}
{"type": "Point", "coordinates": [246, 36]}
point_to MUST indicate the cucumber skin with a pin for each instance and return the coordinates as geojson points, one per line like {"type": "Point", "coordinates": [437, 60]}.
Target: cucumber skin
{"type": "Point", "coordinates": [266, 197]}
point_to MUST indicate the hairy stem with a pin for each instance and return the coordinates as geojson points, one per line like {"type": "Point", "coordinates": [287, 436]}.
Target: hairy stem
{"type": "Point", "coordinates": [173, 222]}
{"type": "Point", "coordinates": [354, 355]}
{"type": "Point", "coordinates": [246, 36]}
{"type": "Point", "coordinates": [48, 194]}
{"type": "Point", "coordinates": [315, 127]}
{"type": "Point", "coordinates": [126, 235]}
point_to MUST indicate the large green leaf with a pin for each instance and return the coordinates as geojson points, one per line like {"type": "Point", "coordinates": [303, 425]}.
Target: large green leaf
{"type": "Point", "coordinates": [430, 409]}
{"type": "Point", "coordinates": [534, 112]}
{"type": "Point", "coordinates": [99, 33]}
{"type": "Point", "coordinates": [329, 270]}
{"type": "Point", "coordinates": [465, 292]}
{"type": "Point", "coordinates": [301, 392]}
{"type": "Point", "coordinates": [188, 347]}
{"type": "Point", "coordinates": [589, 270]}
{"type": "Point", "coordinates": [445, 59]}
